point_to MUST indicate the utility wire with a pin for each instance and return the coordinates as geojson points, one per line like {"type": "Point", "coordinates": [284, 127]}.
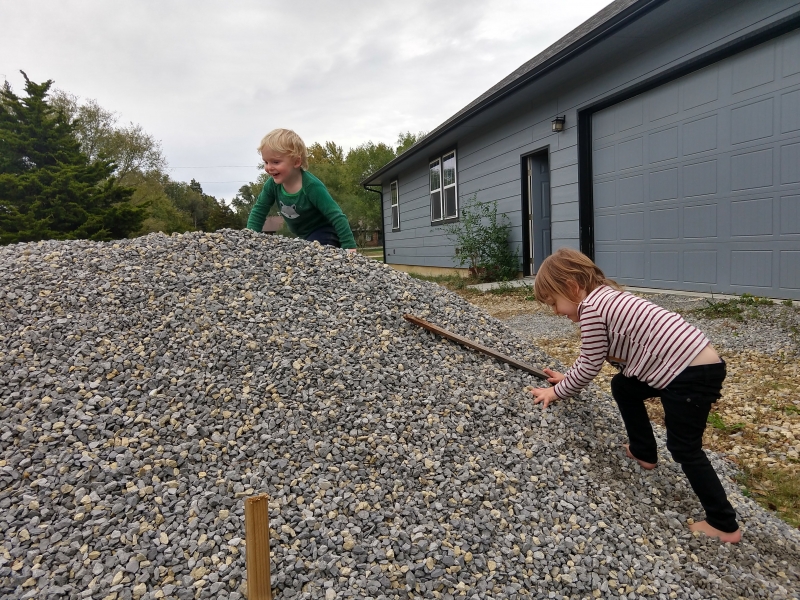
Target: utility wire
{"type": "Point", "coordinates": [219, 167]}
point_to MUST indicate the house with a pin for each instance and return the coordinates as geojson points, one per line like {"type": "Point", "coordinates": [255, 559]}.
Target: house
{"type": "Point", "coordinates": [367, 237]}
{"type": "Point", "coordinates": [660, 137]}
{"type": "Point", "coordinates": [272, 224]}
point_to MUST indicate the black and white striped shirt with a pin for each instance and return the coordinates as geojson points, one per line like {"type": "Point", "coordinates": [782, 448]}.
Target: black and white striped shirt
{"type": "Point", "coordinates": [647, 341]}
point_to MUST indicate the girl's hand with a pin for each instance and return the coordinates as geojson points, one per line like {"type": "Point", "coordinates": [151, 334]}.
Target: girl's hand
{"type": "Point", "coordinates": [351, 250]}
{"type": "Point", "coordinates": [544, 395]}
{"type": "Point", "coordinates": [547, 395]}
{"type": "Point", "coordinates": [554, 376]}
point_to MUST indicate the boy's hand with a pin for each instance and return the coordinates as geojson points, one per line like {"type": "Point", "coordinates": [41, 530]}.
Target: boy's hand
{"type": "Point", "coordinates": [547, 395]}
{"type": "Point", "coordinates": [351, 250]}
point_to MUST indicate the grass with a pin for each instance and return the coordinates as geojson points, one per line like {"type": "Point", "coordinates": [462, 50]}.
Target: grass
{"type": "Point", "coordinates": [738, 309]}
{"type": "Point", "coordinates": [774, 490]}
{"type": "Point", "coordinates": [456, 283]}
{"type": "Point", "coordinates": [716, 421]}
{"type": "Point", "coordinates": [504, 288]}
{"type": "Point", "coordinates": [375, 252]}
{"type": "Point", "coordinates": [453, 282]}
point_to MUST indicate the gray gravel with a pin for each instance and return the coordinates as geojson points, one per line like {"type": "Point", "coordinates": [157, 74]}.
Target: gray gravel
{"type": "Point", "coordinates": [148, 386]}
{"type": "Point", "coordinates": [767, 329]}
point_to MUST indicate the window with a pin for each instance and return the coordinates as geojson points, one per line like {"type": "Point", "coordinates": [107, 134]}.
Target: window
{"type": "Point", "coordinates": [395, 206]}
{"type": "Point", "coordinates": [444, 194]}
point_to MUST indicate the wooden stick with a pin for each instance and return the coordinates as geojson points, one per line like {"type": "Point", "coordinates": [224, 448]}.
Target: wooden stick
{"type": "Point", "coordinates": [256, 524]}
{"type": "Point", "coordinates": [475, 346]}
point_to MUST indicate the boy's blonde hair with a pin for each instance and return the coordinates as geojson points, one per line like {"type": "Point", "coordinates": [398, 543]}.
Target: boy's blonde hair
{"type": "Point", "coordinates": [286, 141]}
{"type": "Point", "coordinates": [565, 266]}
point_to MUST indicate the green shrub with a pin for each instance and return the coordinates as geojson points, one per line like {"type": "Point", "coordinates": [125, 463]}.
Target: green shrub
{"type": "Point", "coordinates": [481, 239]}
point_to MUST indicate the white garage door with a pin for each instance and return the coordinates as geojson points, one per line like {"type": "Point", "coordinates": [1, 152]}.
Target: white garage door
{"type": "Point", "coordinates": [696, 183]}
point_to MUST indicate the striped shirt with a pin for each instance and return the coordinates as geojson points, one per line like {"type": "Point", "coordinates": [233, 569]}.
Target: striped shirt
{"type": "Point", "coordinates": [648, 342]}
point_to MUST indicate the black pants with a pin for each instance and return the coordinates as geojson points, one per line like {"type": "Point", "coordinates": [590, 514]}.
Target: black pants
{"type": "Point", "coordinates": [326, 236]}
{"type": "Point", "coordinates": [687, 402]}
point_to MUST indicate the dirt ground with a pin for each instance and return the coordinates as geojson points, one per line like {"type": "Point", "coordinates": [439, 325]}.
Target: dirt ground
{"type": "Point", "coordinates": [756, 424]}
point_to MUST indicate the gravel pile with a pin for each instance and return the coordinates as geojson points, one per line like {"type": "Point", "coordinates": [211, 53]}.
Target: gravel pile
{"type": "Point", "coordinates": [147, 387]}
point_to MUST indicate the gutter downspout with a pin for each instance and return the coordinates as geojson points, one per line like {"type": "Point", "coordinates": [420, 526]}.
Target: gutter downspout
{"type": "Point", "coordinates": [383, 220]}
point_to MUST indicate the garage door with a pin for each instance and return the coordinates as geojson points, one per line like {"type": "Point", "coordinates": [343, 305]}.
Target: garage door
{"type": "Point", "coordinates": [696, 183]}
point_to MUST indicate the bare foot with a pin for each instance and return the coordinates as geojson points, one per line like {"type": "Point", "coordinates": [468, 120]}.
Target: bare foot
{"type": "Point", "coordinates": [644, 465]}
{"type": "Point", "coordinates": [731, 538]}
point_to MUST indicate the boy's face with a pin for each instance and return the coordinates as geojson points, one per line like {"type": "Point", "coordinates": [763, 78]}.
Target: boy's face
{"type": "Point", "coordinates": [281, 167]}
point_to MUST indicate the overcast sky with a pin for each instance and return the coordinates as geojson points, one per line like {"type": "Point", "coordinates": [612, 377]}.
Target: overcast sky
{"type": "Point", "coordinates": [210, 78]}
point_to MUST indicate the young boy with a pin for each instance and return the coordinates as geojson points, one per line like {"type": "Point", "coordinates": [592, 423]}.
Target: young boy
{"type": "Point", "coordinates": [660, 355]}
{"type": "Point", "coordinates": [303, 200]}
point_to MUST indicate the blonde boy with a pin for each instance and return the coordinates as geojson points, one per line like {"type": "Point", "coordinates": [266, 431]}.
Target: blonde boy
{"type": "Point", "coordinates": [304, 202]}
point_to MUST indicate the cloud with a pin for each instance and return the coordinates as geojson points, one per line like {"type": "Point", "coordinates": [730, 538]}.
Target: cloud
{"type": "Point", "coordinates": [209, 78]}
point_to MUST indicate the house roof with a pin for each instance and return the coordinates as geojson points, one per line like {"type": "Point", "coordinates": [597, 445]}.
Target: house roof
{"type": "Point", "coordinates": [606, 21]}
{"type": "Point", "coordinates": [272, 224]}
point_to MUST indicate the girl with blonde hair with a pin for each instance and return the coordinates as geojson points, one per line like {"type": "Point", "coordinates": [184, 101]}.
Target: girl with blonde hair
{"type": "Point", "coordinates": [659, 355]}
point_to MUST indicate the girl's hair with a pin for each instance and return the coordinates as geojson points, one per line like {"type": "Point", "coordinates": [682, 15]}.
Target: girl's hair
{"type": "Point", "coordinates": [285, 141]}
{"type": "Point", "coordinates": [560, 269]}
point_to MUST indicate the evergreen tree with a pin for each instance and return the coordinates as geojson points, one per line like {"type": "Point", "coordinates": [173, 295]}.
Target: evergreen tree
{"type": "Point", "coordinates": [49, 189]}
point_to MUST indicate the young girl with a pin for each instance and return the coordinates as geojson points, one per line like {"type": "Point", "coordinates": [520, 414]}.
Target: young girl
{"type": "Point", "coordinates": [659, 355]}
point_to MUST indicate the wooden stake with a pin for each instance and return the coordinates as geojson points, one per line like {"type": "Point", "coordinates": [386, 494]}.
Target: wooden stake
{"type": "Point", "coordinates": [256, 525]}
{"type": "Point", "coordinates": [476, 346]}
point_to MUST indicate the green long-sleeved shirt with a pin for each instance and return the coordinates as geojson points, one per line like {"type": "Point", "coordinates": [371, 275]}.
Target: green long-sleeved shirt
{"type": "Point", "coordinates": [304, 212]}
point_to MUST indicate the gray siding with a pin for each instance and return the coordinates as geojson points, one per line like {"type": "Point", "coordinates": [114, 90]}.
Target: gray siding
{"type": "Point", "coordinates": [490, 171]}
{"type": "Point", "coordinates": [491, 145]}
{"type": "Point", "coordinates": [696, 182]}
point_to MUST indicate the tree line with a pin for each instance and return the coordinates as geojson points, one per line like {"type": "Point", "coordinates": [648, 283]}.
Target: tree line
{"type": "Point", "coordinates": [69, 170]}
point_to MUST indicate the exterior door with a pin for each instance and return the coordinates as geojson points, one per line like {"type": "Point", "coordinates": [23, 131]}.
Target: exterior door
{"type": "Point", "coordinates": [538, 210]}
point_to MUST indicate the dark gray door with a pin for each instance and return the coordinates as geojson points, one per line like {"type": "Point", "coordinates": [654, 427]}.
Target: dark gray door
{"type": "Point", "coordinates": [696, 183]}
{"type": "Point", "coordinates": [538, 209]}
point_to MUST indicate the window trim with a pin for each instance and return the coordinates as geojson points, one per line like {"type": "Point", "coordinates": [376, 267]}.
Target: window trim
{"type": "Point", "coordinates": [394, 199]}
{"type": "Point", "coordinates": [436, 162]}
{"type": "Point", "coordinates": [443, 220]}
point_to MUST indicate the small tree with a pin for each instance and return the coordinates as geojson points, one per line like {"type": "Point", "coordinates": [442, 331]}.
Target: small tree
{"type": "Point", "coordinates": [245, 199]}
{"type": "Point", "coordinates": [130, 149]}
{"type": "Point", "coordinates": [481, 239]}
{"type": "Point", "coordinates": [408, 139]}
